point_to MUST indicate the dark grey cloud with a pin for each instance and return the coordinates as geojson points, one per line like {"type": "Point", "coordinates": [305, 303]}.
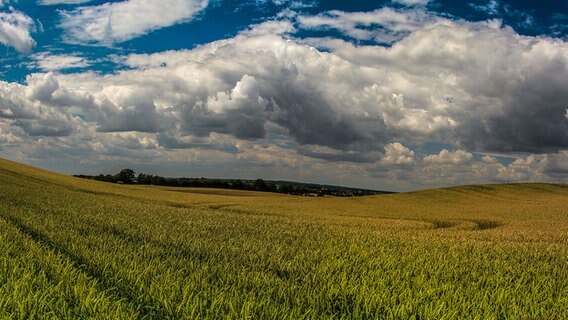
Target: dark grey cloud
{"type": "Point", "coordinates": [50, 128]}
{"type": "Point", "coordinates": [171, 142]}
{"type": "Point", "coordinates": [141, 117]}
{"type": "Point", "coordinates": [533, 115]}
{"type": "Point", "coordinates": [241, 123]}
{"type": "Point", "coordinates": [310, 120]}
{"type": "Point", "coordinates": [336, 156]}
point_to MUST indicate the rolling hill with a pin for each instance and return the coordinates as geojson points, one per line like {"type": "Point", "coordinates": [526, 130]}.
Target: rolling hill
{"type": "Point", "coordinates": [74, 248]}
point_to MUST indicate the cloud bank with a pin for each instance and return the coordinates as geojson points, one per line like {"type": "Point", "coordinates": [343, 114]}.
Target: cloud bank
{"type": "Point", "coordinates": [268, 98]}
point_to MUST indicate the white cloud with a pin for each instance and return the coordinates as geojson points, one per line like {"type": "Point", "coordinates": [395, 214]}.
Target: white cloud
{"type": "Point", "coordinates": [15, 29]}
{"type": "Point", "coordinates": [456, 169]}
{"type": "Point", "coordinates": [447, 157]}
{"type": "Point", "coordinates": [41, 86]}
{"type": "Point", "coordinates": [489, 159]}
{"type": "Point", "coordinates": [49, 62]}
{"type": "Point", "coordinates": [412, 2]}
{"type": "Point", "coordinates": [279, 27]}
{"type": "Point", "coordinates": [396, 153]}
{"type": "Point", "coordinates": [34, 109]}
{"type": "Point", "coordinates": [8, 138]}
{"type": "Point", "coordinates": [427, 174]}
{"type": "Point", "coordinates": [121, 21]}
{"type": "Point", "coordinates": [529, 168]}
{"type": "Point", "coordinates": [492, 7]}
{"type": "Point", "coordinates": [384, 25]}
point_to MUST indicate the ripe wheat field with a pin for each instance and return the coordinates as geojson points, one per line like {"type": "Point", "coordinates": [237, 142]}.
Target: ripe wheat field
{"type": "Point", "coordinates": [78, 249]}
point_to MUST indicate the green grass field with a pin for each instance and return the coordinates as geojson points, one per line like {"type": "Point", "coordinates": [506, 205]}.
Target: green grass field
{"type": "Point", "coordinates": [78, 249]}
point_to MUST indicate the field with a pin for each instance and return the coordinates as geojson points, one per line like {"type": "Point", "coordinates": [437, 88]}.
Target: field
{"type": "Point", "coordinates": [78, 249]}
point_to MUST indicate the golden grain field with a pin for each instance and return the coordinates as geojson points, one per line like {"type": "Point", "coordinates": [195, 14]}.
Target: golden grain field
{"type": "Point", "coordinates": [79, 249]}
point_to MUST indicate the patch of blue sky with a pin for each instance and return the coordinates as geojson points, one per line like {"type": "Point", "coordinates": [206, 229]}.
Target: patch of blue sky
{"type": "Point", "coordinates": [282, 141]}
{"type": "Point", "coordinates": [525, 17]}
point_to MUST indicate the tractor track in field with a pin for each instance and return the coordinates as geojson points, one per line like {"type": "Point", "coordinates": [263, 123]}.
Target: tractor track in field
{"type": "Point", "coordinates": [478, 225]}
{"type": "Point", "coordinates": [121, 291]}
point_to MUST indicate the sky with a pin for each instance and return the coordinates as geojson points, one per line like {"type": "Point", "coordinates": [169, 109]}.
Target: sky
{"type": "Point", "coordinates": [390, 95]}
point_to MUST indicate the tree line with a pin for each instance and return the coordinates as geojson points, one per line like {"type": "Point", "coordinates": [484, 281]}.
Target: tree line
{"type": "Point", "coordinates": [128, 176]}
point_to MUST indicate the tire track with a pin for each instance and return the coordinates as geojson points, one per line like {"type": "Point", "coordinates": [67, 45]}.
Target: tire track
{"type": "Point", "coordinates": [120, 289]}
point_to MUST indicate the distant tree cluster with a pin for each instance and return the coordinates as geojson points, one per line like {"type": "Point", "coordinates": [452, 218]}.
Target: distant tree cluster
{"type": "Point", "coordinates": [125, 176]}
{"type": "Point", "coordinates": [128, 176]}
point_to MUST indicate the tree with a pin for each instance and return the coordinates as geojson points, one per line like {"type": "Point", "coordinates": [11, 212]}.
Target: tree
{"type": "Point", "coordinates": [144, 178]}
{"type": "Point", "coordinates": [127, 176]}
{"type": "Point", "coordinates": [237, 184]}
{"type": "Point", "coordinates": [260, 185]}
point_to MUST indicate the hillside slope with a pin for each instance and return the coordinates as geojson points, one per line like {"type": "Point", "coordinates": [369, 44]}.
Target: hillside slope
{"type": "Point", "coordinates": [72, 248]}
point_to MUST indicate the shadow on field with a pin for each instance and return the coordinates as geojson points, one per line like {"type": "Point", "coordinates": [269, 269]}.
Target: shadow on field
{"type": "Point", "coordinates": [487, 224]}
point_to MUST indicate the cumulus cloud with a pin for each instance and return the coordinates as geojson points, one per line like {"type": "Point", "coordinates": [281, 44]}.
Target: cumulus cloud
{"type": "Point", "coordinates": [430, 86]}
{"type": "Point", "coordinates": [33, 108]}
{"type": "Point", "coordinates": [8, 139]}
{"type": "Point", "coordinates": [460, 167]}
{"type": "Point", "coordinates": [447, 157]}
{"type": "Point", "coordinates": [113, 22]}
{"type": "Point", "coordinates": [546, 167]}
{"type": "Point", "coordinates": [426, 87]}
{"type": "Point", "coordinates": [492, 98]}
{"type": "Point", "coordinates": [396, 153]}
{"type": "Point", "coordinates": [15, 31]}
{"type": "Point", "coordinates": [41, 86]}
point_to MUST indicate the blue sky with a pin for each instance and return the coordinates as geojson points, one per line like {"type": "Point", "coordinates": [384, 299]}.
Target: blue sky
{"type": "Point", "coordinates": [395, 95]}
